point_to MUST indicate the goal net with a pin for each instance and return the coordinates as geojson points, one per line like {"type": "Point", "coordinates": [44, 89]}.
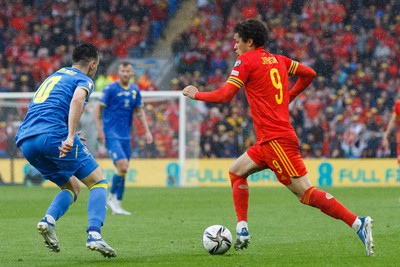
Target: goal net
{"type": "Point", "coordinates": [173, 119]}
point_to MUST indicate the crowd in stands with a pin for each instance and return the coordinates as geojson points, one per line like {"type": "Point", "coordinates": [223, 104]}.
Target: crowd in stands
{"type": "Point", "coordinates": [354, 47]}
{"type": "Point", "coordinates": [37, 38]}
{"type": "Point", "coordinates": [352, 44]}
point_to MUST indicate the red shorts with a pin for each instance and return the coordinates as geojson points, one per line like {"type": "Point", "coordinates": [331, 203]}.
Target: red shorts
{"type": "Point", "coordinates": [282, 156]}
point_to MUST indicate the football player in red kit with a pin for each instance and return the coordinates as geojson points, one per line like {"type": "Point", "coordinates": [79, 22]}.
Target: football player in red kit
{"type": "Point", "coordinates": [264, 77]}
{"type": "Point", "coordinates": [393, 123]}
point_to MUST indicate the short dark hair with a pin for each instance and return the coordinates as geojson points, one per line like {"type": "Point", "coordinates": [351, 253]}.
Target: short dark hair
{"type": "Point", "coordinates": [84, 53]}
{"type": "Point", "coordinates": [125, 63]}
{"type": "Point", "coordinates": [252, 29]}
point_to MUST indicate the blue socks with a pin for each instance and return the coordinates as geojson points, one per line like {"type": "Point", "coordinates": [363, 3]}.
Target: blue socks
{"type": "Point", "coordinates": [97, 203]}
{"type": "Point", "coordinates": [118, 186]}
{"type": "Point", "coordinates": [121, 189]}
{"type": "Point", "coordinates": [61, 203]}
{"type": "Point", "coordinates": [114, 184]}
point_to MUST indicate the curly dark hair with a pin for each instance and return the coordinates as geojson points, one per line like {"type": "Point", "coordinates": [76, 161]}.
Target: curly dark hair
{"type": "Point", "coordinates": [252, 29]}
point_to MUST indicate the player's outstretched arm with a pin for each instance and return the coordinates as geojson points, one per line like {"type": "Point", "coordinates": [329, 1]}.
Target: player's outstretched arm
{"type": "Point", "coordinates": [305, 76]}
{"type": "Point", "coordinates": [221, 95]}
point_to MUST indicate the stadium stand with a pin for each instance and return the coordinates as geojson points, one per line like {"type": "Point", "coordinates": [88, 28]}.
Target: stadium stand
{"type": "Point", "coordinates": [343, 113]}
{"type": "Point", "coordinates": [37, 38]}
{"type": "Point", "coordinates": [355, 52]}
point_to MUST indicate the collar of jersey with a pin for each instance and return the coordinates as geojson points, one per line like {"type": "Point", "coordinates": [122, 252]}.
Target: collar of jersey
{"type": "Point", "coordinates": [124, 87]}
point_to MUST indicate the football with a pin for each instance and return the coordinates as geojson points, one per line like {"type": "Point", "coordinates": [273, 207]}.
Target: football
{"type": "Point", "coordinates": [217, 239]}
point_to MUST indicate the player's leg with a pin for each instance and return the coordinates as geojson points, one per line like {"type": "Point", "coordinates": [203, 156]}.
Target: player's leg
{"type": "Point", "coordinates": [286, 161]}
{"type": "Point", "coordinates": [122, 168]}
{"type": "Point", "coordinates": [97, 204]}
{"type": "Point", "coordinates": [61, 202]}
{"type": "Point", "coordinates": [42, 152]}
{"type": "Point", "coordinates": [58, 207]}
{"type": "Point", "coordinates": [309, 195]}
{"type": "Point", "coordinates": [89, 173]}
{"type": "Point", "coordinates": [238, 173]}
{"type": "Point", "coordinates": [119, 151]}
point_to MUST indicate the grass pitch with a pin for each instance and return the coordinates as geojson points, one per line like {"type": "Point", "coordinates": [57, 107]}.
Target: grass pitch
{"type": "Point", "coordinates": [167, 225]}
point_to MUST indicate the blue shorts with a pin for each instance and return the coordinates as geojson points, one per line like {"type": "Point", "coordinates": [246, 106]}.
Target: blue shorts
{"type": "Point", "coordinates": [42, 152]}
{"type": "Point", "coordinates": [118, 148]}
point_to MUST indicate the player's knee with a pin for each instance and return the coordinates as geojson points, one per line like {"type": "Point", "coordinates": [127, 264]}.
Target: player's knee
{"type": "Point", "coordinates": [122, 170]}
{"type": "Point", "coordinates": [72, 185]}
{"type": "Point", "coordinates": [237, 172]}
{"type": "Point", "coordinates": [233, 170]}
{"type": "Point", "coordinates": [122, 167]}
{"type": "Point", "coordinates": [76, 189]}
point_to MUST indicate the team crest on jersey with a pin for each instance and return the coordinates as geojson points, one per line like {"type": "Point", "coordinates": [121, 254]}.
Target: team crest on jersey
{"type": "Point", "coordinates": [237, 63]}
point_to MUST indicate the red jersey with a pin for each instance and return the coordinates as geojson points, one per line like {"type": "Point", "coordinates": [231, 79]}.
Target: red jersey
{"type": "Point", "coordinates": [264, 76]}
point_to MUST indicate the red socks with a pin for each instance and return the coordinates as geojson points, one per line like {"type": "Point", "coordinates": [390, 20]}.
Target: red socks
{"type": "Point", "coordinates": [312, 197]}
{"type": "Point", "coordinates": [240, 193]}
{"type": "Point", "coordinates": [328, 205]}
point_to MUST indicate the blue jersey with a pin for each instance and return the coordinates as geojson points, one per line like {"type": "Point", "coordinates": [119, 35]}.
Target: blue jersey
{"type": "Point", "coordinates": [119, 105]}
{"type": "Point", "coordinates": [49, 108]}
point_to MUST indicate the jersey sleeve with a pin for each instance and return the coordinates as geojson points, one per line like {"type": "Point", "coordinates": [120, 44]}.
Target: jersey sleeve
{"type": "Point", "coordinates": [304, 73]}
{"type": "Point", "coordinates": [105, 96]}
{"type": "Point", "coordinates": [291, 65]}
{"type": "Point", "coordinates": [222, 95]}
{"type": "Point", "coordinates": [236, 80]}
{"type": "Point", "coordinates": [240, 72]}
{"type": "Point", "coordinates": [87, 85]}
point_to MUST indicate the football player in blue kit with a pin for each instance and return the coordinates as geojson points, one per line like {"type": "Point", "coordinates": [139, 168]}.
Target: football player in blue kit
{"type": "Point", "coordinates": [114, 117]}
{"type": "Point", "coordinates": [49, 140]}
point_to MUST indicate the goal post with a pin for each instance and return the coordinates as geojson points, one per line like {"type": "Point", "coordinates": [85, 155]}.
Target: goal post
{"type": "Point", "coordinates": [13, 102]}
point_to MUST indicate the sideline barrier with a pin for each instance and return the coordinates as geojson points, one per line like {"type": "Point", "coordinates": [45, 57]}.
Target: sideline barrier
{"type": "Point", "coordinates": [214, 172]}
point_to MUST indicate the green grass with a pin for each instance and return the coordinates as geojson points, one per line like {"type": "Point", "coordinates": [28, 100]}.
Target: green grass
{"type": "Point", "coordinates": [167, 226]}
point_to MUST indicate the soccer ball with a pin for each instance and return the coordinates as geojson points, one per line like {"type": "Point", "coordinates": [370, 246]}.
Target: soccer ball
{"type": "Point", "coordinates": [217, 239]}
